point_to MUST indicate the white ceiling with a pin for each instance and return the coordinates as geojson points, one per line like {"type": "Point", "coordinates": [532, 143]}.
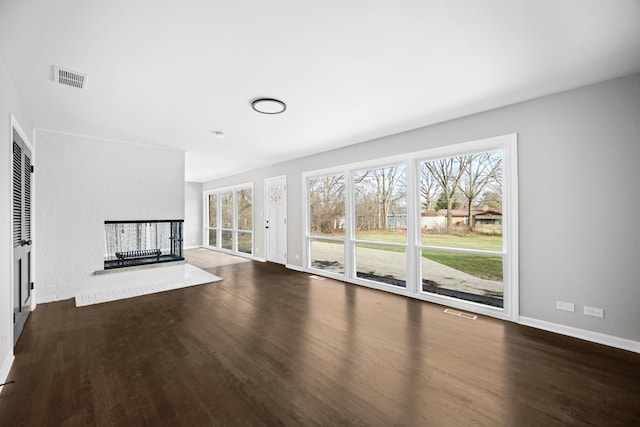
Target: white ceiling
{"type": "Point", "coordinates": [171, 72]}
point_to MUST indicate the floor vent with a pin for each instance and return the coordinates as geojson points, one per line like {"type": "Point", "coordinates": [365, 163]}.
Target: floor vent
{"type": "Point", "coordinates": [313, 276]}
{"type": "Point", "coordinates": [461, 314]}
{"type": "Point", "coordinates": [69, 78]}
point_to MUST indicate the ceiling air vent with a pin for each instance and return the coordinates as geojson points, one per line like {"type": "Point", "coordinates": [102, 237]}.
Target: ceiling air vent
{"type": "Point", "coordinates": [69, 78]}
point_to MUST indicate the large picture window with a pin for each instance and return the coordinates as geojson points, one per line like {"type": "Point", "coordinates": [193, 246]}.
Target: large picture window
{"type": "Point", "coordinates": [212, 221]}
{"type": "Point", "coordinates": [327, 223]}
{"type": "Point", "coordinates": [380, 202]}
{"type": "Point", "coordinates": [230, 219]}
{"type": "Point", "coordinates": [439, 225]}
{"type": "Point", "coordinates": [244, 223]}
{"type": "Point", "coordinates": [461, 227]}
{"type": "Point", "coordinates": [226, 209]}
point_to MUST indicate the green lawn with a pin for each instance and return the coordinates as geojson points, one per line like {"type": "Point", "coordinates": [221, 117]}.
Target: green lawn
{"type": "Point", "coordinates": [482, 266]}
{"type": "Point", "coordinates": [485, 242]}
{"type": "Point", "coordinates": [244, 243]}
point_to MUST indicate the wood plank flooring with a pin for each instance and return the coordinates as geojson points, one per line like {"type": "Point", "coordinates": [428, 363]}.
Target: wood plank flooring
{"type": "Point", "coordinates": [269, 346]}
{"type": "Point", "coordinates": [207, 258]}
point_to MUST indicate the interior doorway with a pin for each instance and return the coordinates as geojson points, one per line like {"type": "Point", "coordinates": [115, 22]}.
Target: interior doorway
{"type": "Point", "coordinates": [22, 260]}
{"type": "Point", "coordinates": [276, 219]}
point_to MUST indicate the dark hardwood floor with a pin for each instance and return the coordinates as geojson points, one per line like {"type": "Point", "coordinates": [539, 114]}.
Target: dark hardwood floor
{"type": "Point", "coordinates": [272, 347]}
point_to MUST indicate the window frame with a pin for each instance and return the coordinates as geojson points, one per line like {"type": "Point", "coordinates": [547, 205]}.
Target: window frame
{"type": "Point", "coordinates": [507, 144]}
{"type": "Point", "coordinates": [221, 220]}
{"type": "Point", "coordinates": [234, 220]}
{"type": "Point", "coordinates": [309, 237]}
{"type": "Point", "coordinates": [207, 226]}
{"type": "Point", "coordinates": [355, 241]}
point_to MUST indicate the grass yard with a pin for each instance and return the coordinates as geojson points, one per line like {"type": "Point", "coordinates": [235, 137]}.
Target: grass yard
{"type": "Point", "coordinates": [485, 242]}
{"type": "Point", "coordinates": [482, 266]}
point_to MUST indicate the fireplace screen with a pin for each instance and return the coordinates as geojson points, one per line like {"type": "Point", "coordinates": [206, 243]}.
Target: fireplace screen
{"type": "Point", "coordinates": [129, 243]}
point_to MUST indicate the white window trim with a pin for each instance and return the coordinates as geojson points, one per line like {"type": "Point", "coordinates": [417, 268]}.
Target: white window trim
{"type": "Point", "coordinates": [505, 143]}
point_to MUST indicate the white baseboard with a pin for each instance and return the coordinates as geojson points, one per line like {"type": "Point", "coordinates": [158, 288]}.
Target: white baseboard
{"type": "Point", "coordinates": [295, 267]}
{"type": "Point", "coordinates": [228, 252]}
{"type": "Point", "coordinates": [597, 337]}
{"type": "Point", "coordinates": [5, 368]}
{"type": "Point", "coordinates": [192, 247]}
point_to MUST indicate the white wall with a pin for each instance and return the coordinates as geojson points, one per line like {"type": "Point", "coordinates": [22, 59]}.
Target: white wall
{"type": "Point", "coordinates": [9, 104]}
{"type": "Point", "coordinates": [80, 183]}
{"type": "Point", "coordinates": [578, 157]}
{"type": "Point", "coordinates": [192, 214]}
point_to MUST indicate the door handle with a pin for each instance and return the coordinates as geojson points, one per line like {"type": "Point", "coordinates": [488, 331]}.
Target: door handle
{"type": "Point", "coordinates": [25, 242]}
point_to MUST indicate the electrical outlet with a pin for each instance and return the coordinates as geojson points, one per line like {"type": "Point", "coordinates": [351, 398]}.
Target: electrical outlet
{"type": "Point", "coordinates": [593, 311]}
{"type": "Point", "coordinates": [565, 306]}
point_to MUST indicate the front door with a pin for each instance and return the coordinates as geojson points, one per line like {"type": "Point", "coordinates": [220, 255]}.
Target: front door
{"type": "Point", "coordinates": [22, 171]}
{"type": "Point", "coordinates": [276, 220]}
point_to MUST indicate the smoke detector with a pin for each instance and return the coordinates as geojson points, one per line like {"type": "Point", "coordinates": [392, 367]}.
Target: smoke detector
{"type": "Point", "coordinates": [69, 78]}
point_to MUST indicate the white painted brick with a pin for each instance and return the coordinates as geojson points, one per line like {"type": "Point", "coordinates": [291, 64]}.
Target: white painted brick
{"type": "Point", "coordinates": [80, 182]}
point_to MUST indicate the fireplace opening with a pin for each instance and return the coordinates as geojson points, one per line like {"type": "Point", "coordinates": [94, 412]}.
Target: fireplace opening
{"type": "Point", "coordinates": [130, 243]}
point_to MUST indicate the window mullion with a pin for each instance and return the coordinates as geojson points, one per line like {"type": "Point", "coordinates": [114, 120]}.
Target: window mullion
{"type": "Point", "coordinates": [234, 225]}
{"type": "Point", "coordinates": [510, 239]}
{"type": "Point", "coordinates": [306, 218]}
{"type": "Point", "coordinates": [219, 220]}
{"type": "Point", "coordinates": [206, 206]}
{"type": "Point", "coordinates": [349, 250]}
{"type": "Point", "coordinates": [413, 229]}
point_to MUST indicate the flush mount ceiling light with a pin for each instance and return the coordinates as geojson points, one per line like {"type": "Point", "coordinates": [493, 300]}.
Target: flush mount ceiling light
{"type": "Point", "coordinates": [268, 106]}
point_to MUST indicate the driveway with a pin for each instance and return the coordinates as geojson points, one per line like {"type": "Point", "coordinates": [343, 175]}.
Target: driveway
{"type": "Point", "coordinates": [388, 263]}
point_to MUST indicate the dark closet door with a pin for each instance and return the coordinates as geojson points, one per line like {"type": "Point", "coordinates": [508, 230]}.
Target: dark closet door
{"type": "Point", "coordinates": [22, 171]}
